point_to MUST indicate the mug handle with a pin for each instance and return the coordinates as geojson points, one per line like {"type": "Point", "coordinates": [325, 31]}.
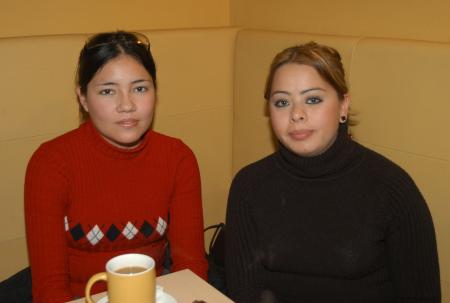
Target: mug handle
{"type": "Point", "coordinates": [95, 278]}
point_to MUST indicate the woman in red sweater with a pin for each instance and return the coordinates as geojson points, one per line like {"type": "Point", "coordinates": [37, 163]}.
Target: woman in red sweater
{"type": "Point", "coordinates": [112, 185]}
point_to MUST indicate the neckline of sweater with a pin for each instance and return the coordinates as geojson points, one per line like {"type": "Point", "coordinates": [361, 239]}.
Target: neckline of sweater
{"type": "Point", "coordinates": [110, 150]}
{"type": "Point", "coordinates": [341, 156]}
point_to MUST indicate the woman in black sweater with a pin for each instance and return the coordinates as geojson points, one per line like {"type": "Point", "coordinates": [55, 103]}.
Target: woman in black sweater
{"type": "Point", "coordinates": [324, 219]}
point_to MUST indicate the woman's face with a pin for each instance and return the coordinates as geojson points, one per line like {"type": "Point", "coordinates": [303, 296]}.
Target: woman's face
{"type": "Point", "coordinates": [120, 100]}
{"type": "Point", "coordinates": [304, 109]}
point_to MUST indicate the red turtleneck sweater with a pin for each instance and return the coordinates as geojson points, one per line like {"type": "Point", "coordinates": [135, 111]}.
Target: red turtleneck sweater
{"type": "Point", "coordinates": [87, 201]}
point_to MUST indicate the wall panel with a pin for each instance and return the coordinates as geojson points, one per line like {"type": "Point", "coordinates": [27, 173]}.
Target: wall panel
{"type": "Point", "coordinates": [31, 17]}
{"type": "Point", "coordinates": [411, 19]}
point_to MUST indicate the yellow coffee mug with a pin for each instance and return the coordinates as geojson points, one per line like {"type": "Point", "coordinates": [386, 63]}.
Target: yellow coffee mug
{"type": "Point", "coordinates": [129, 278]}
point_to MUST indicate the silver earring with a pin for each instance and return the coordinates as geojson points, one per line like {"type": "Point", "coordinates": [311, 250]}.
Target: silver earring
{"type": "Point", "coordinates": [343, 119]}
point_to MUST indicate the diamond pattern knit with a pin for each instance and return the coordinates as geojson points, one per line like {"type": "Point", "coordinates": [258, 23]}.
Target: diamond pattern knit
{"type": "Point", "coordinates": [87, 201]}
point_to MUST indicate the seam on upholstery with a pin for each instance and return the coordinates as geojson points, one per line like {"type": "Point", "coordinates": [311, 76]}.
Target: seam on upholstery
{"type": "Point", "coordinates": [366, 143]}
{"type": "Point", "coordinates": [352, 58]}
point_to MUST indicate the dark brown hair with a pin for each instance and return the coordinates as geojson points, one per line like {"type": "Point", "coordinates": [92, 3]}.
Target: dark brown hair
{"type": "Point", "coordinates": [102, 47]}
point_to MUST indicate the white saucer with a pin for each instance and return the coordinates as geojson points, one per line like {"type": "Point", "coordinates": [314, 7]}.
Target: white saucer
{"type": "Point", "coordinates": [165, 298]}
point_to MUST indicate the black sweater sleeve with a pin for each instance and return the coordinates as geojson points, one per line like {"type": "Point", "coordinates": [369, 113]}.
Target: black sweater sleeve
{"type": "Point", "coordinates": [244, 274]}
{"type": "Point", "coordinates": [411, 243]}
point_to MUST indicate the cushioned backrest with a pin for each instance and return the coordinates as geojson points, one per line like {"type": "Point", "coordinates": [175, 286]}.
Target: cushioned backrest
{"type": "Point", "coordinates": [401, 92]}
{"type": "Point", "coordinates": [37, 103]}
{"type": "Point", "coordinates": [195, 78]}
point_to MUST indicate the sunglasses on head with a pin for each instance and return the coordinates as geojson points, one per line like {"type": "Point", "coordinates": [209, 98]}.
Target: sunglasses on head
{"type": "Point", "coordinates": [126, 38]}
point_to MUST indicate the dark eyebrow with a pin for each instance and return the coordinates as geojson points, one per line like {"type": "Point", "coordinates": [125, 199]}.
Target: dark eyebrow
{"type": "Point", "coordinates": [141, 80]}
{"type": "Point", "coordinates": [133, 82]}
{"type": "Point", "coordinates": [106, 83]}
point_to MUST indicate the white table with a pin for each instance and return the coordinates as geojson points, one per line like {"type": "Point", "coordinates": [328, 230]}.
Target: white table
{"type": "Point", "coordinates": [185, 287]}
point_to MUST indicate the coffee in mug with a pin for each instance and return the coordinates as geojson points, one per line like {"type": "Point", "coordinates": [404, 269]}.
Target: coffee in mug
{"type": "Point", "coordinates": [129, 277]}
{"type": "Point", "coordinates": [130, 270]}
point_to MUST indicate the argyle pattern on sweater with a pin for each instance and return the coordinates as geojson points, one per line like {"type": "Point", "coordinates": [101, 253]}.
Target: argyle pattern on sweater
{"type": "Point", "coordinates": [129, 230]}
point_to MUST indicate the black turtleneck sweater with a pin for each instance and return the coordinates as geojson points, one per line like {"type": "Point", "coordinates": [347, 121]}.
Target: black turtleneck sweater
{"type": "Point", "coordinates": [345, 226]}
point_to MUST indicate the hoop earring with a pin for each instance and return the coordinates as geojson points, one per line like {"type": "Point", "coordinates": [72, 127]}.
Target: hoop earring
{"type": "Point", "coordinates": [343, 119]}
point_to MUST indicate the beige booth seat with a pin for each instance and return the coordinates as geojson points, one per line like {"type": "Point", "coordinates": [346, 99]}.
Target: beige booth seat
{"type": "Point", "coordinates": [211, 85]}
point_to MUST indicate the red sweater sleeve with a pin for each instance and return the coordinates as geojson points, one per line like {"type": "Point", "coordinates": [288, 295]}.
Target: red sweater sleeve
{"type": "Point", "coordinates": [45, 190]}
{"type": "Point", "coordinates": [186, 217]}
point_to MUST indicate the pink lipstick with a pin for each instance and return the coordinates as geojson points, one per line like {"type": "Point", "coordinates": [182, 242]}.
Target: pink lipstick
{"type": "Point", "coordinates": [300, 135]}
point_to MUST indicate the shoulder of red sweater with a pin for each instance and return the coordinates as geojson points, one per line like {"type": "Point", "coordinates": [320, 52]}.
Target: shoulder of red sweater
{"type": "Point", "coordinates": [53, 150]}
{"type": "Point", "coordinates": [162, 137]}
{"type": "Point", "coordinates": [168, 141]}
{"type": "Point", "coordinates": [60, 142]}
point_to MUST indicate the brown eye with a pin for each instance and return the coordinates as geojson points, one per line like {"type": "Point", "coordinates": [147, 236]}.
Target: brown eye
{"type": "Point", "coordinates": [141, 89]}
{"type": "Point", "coordinates": [106, 92]}
{"type": "Point", "coordinates": [281, 103]}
